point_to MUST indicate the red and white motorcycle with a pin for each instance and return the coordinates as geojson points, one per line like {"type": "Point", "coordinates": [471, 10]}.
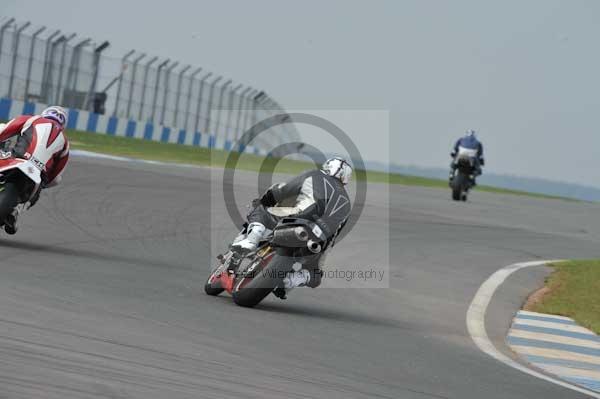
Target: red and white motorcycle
{"type": "Point", "coordinates": [20, 181]}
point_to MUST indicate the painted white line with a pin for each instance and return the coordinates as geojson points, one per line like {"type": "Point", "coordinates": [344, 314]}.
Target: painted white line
{"type": "Point", "coordinates": [90, 154]}
{"type": "Point", "coordinates": [476, 324]}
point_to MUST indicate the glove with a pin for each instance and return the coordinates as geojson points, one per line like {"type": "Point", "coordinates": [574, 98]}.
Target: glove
{"type": "Point", "coordinates": [255, 203]}
{"type": "Point", "coordinates": [452, 154]}
{"type": "Point", "coordinates": [324, 227]}
{"type": "Point", "coordinates": [482, 162]}
{"type": "Point", "coordinates": [268, 199]}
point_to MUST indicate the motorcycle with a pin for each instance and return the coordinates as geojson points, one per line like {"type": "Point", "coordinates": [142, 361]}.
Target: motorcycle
{"type": "Point", "coordinates": [250, 277]}
{"type": "Point", "coordinates": [464, 173]}
{"type": "Point", "coordinates": [20, 180]}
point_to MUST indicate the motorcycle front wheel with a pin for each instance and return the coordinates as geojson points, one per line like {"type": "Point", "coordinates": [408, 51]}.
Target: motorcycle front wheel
{"type": "Point", "coordinates": [9, 198]}
{"type": "Point", "coordinates": [213, 286]}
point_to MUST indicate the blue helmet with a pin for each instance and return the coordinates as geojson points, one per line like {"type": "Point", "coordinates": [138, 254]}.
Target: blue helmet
{"type": "Point", "coordinates": [471, 133]}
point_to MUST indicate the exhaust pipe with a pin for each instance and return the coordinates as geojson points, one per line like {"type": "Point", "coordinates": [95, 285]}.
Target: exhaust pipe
{"type": "Point", "coordinates": [301, 233]}
{"type": "Point", "coordinates": [313, 246]}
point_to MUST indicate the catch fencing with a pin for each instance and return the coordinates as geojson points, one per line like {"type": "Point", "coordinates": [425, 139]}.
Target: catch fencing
{"type": "Point", "coordinates": [39, 65]}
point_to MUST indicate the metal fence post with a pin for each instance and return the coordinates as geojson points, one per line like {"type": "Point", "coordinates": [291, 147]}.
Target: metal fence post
{"type": "Point", "coordinates": [166, 92]}
{"type": "Point", "coordinates": [249, 109]}
{"type": "Point", "coordinates": [45, 70]}
{"type": "Point", "coordinates": [2, 29]}
{"type": "Point", "coordinates": [220, 105]}
{"type": "Point", "coordinates": [47, 82]}
{"type": "Point", "coordinates": [62, 67]}
{"type": "Point", "coordinates": [236, 131]}
{"type": "Point", "coordinates": [199, 105]}
{"type": "Point", "coordinates": [256, 100]}
{"type": "Point", "coordinates": [120, 85]}
{"type": "Point", "coordinates": [30, 62]}
{"type": "Point", "coordinates": [156, 83]}
{"type": "Point", "coordinates": [92, 92]}
{"type": "Point", "coordinates": [228, 127]}
{"type": "Point", "coordinates": [246, 123]}
{"type": "Point", "coordinates": [147, 67]}
{"type": "Point", "coordinates": [178, 94]}
{"type": "Point", "coordinates": [211, 94]}
{"type": "Point", "coordinates": [189, 97]}
{"type": "Point", "coordinates": [133, 73]}
{"type": "Point", "coordinates": [73, 71]}
{"type": "Point", "coordinates": [16, 40]}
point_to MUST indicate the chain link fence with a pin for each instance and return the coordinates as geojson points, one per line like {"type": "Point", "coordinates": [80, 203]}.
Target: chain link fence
{"type": "Point", "coordinates": [183, 97]}
{"type": "Point", "coordinates": [38, 65]}
{"type": "Point", "coordinates": [51, 67]}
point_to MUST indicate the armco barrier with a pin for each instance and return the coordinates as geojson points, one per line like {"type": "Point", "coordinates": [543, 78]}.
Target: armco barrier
{"type": "Point", "coordinates": [103, 124]}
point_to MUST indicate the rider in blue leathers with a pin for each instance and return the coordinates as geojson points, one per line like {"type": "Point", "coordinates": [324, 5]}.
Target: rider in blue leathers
{"type": "Point", "coordinates": [469, 141]}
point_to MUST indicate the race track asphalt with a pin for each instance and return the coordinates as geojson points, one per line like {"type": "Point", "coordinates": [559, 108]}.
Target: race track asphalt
{"type": "Point", "coordinates": [101, 294]}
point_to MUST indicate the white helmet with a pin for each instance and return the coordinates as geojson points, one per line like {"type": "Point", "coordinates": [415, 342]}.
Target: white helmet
{"type": "Point", "coordinates": [338, 168]}
{"type": "Point", "coordinates": [56, 113]}
{"type": "Point", "coordinates": [471, 133]}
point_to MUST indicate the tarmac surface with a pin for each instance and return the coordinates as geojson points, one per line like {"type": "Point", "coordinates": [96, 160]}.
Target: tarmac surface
{"type": "Point", "coordinates": [101, 294]}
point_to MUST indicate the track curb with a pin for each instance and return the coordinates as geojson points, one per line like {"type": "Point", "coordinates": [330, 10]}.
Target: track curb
{"type": "Point", "coordinates": [476, 324]}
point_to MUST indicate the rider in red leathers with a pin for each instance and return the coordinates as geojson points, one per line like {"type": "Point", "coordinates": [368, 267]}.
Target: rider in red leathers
{"type": "Point", "coordinates": [41, 139]}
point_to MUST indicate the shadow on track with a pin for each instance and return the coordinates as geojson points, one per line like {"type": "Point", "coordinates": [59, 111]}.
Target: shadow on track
{"type": "Point", "coordinates": [329, 315]}
{"type": "Point", "coordinates": [82, 253]}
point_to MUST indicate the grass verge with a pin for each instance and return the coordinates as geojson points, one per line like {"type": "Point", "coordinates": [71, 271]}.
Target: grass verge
{"type": "Point", "coordinates": [176, 153]}
{"type": "Point", "coordinates": [573, 290]}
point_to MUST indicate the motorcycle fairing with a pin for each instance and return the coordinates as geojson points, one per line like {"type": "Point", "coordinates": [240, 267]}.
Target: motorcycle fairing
{"type": "Point", "coordinates": [28, 168]}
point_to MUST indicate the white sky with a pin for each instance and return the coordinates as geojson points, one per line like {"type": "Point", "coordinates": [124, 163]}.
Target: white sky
{"type": "Point", "coordinates": [525, 74]}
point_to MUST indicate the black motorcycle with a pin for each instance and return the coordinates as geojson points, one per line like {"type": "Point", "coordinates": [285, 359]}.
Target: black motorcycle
{"type": "Point", "coordinates": [463, 179]}
{"type": "Point", "coordinates": [250, 277]}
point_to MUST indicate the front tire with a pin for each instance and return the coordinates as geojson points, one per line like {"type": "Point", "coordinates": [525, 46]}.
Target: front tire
{"type": "Point", "coordinates": [213, 288]}
{"type": "Point", "coordinates": [9, 198]}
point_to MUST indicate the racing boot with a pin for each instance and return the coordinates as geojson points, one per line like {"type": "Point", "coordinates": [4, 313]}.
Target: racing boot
{"type": "Point", "coordinates": [239, 238]}
{"type": "Point", "coordinates": [255, 234]}
{"type": "Point", "coordinates": [296, 279]}
{"type": "Point", "coordinates": [472, 180]}
{"type": "Point", "coordinates": [293, 279]}
{"type": "Point", "coordinates": [280, 293]}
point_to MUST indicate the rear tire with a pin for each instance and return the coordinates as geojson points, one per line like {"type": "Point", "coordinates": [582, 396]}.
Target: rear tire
{"type": "Point", "coordinates": [261, 285]}
{"type": "Point", "coordinates": [9, 198]}
{"type": "Point", "coordinates": [458, 184]}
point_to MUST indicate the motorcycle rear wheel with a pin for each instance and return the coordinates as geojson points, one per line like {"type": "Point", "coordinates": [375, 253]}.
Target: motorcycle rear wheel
{"type": "Point", "coordinates": [250, 294]}
{"type": "Point", "coordinates": [459, 183]}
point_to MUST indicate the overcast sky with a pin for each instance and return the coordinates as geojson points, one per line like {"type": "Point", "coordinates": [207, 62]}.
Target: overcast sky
{"type": "Point", "coordinates": [525, 74]}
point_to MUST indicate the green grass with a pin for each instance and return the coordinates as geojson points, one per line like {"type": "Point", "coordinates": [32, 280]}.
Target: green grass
{"type": "Point", "coordinates": [573, 291]}
{"type": "Point", "coordinates": [167, 152]}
